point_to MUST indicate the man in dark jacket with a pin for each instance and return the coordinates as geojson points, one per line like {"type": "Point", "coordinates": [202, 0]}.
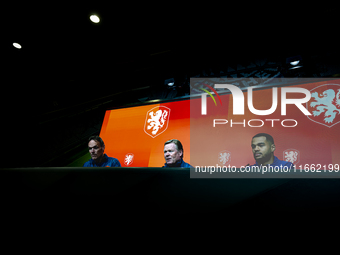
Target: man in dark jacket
{"type": "Point", "coordinates": [263, 148]}
{"type": "Point", "coordinates": [98, 158]}
{"type": "Point", "coordinates": [173, 154]}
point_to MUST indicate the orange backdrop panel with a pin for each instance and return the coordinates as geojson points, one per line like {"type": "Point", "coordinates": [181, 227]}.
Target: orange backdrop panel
{"type": "Point", "coordinates": [123, 132]}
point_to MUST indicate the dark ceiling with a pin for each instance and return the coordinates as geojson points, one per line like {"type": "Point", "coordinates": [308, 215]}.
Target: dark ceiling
{"type": "Point", "coordinates": [67, 61]}
{"type": "Point", "coordinates": [138, 45]}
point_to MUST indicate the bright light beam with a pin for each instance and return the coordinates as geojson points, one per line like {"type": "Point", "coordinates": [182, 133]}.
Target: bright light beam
{"type": "Point", "coordinates": [94, 18]}
{"type": "Point", "coordinates": [17, 45]}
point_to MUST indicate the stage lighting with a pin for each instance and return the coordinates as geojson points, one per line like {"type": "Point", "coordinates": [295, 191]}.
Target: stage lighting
{"type": "Point", "coordinates": [17, 45]}
{"type": "Point", "coordinates": [295, 67]}
{"type": "Point", "coordinates": [170, 82]}
{"type": "Point", "coordinates": [94, 18]}
{"type": "Point", "coordinates": [294, 62]}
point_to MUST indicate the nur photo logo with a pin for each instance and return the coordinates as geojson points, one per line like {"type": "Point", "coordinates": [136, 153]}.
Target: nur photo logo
{"type": "Point", "coordinates": [213, 90]}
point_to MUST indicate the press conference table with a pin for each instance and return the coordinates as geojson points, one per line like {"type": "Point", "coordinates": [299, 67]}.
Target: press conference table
{"type": "Point", "coordinates": [162, 190]}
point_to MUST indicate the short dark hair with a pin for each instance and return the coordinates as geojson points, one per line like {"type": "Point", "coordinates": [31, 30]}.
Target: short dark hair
{"type": "Point", "coordinates": [98, 139]}
{"type": "Point", "coordinates": [267, 136]}
{"type": "Point", "coordinates": [177, 143]}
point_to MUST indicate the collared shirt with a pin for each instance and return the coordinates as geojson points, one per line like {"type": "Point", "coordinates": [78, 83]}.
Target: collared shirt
{"type": "Point", "coordinates": [278, 163]}
{"type": "Point", "coordinates": [106, 162]}
{"type": "Point", "coordinates": [180, 163]}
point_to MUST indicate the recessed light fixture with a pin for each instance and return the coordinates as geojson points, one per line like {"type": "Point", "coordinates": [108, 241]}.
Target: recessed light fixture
{"type": "Point", "coordinates": [170, 82]}
{"type": "Point", "coordinates": [94, 18]}
{"type": "Point", "coordinates": [294, 67]}
{"type": "Point", "coordinates": [294, 63]}
{"type": "Point", "coordinates": [17, 45]}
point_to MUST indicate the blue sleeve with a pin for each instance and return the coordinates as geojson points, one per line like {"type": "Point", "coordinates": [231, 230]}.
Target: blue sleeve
{"type": "Point", "coordinates": [86, 164]}
{"type": "Point", "coordinates": [288, 164]}
{"type": "Point", "coordinates": [115, 163]}
{"type": "Point", "coordinates": [186, 165]}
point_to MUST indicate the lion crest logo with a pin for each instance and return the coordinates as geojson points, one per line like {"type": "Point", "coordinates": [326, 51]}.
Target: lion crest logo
{"type": "Point", "coordinates": [128, 160]}
{"type": "Point", "coordinates": [224, 157]}
{"type": "Point", "coordinates": [325, 105]}
{"type": "Point", "coordinates": [291, 155]}
{"type": "Point", "coordinates": [156, 121]}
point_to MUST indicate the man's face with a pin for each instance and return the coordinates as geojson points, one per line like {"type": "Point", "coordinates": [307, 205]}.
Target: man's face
{"type": "Point", "coordinates": [95, 149]}
{"type": "Point", "coordinates": [171, 154]}
{"type": "Point", "coordinates": [262, 149]}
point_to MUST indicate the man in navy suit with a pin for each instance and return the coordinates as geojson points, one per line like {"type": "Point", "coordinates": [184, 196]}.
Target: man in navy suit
{"type": "Point", "coordinates": [98, 158]}
{"type": "Point", "coordinates": [263, 148]}
{"type": "Point", "coordinates": [173, 154]}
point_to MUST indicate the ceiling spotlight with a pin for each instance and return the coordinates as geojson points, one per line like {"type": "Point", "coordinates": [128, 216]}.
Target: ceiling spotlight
{"type": "Point", "coordinates": [295, 67]}
{"type": "Point", "coordinates": [170, 82]}
{"type": "Point", "coordinates": [295, 60]}
{"type": "Point", "coordinates": [94, 18]}
{"type": "Point", "coordinates": [17, 45]}
{"type": "Point", "coordinates": [294, 63]}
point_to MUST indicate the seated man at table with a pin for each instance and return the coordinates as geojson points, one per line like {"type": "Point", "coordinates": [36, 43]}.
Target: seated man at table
{"type": "Point", "coordinates": [263, 148]}
{"type": "Point", "coordinates": [173, 154]}
{"type": "Point", "coordinates": [98, 158]}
